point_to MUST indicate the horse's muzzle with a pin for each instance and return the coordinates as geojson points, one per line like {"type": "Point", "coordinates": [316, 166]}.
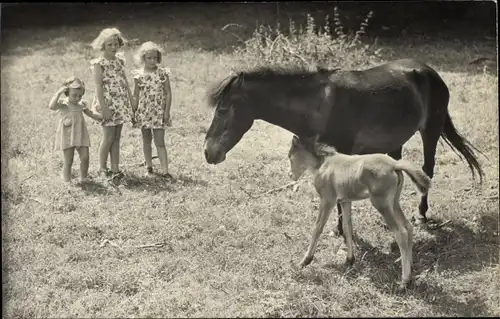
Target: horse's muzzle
{"type": "Point", "coordinates": [213, 154]}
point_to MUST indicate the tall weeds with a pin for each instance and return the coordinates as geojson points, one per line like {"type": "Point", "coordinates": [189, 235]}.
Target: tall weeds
{"type": "Point", "coordinates": [309, 46]}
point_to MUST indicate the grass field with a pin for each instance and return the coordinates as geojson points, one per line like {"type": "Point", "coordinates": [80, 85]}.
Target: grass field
{"type": "Point", "coordinates": [88, 251]}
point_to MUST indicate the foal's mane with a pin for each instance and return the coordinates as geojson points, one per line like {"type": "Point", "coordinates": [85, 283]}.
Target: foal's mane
{"type": "Point", "coordinates": [316, 148]}
{"type": "Point", "coordinates": [275, 74]}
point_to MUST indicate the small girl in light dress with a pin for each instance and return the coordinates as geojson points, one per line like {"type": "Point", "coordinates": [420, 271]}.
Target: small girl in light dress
{"type": "Point", "coordinates": [152, 101]}
{"type": "Point", "coordinates": [113, 96]}
{"type": "Point", "coordinates": [72, 131]}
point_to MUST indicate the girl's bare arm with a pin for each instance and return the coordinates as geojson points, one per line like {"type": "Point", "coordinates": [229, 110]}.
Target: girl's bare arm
{"type": "Point", "coordinates": [129, 92]}
{"type": "Point", "coordinates": [135, 103]}
{"type": "Point", "coordinates": [168, 95]}
{"type": "Point", "coordinates": [93, 115]}
{"type": "Point", "coordinates": [54, 101]}
{"type": "Point", "coordinates": [98, 86]}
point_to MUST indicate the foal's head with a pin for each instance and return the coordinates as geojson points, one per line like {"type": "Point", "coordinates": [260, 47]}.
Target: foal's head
{"type": "Point", "coordinates": [307, 153]}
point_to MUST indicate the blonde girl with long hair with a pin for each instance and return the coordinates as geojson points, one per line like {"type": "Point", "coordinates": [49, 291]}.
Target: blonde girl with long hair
{"type": "Point", "coordinates": [113, 98]}
{"type": "Point", "coordinates": [152, 101]}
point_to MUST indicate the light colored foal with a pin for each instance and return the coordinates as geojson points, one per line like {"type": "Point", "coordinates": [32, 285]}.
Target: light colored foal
{"type": "Point", "coordinates": [346, 178]}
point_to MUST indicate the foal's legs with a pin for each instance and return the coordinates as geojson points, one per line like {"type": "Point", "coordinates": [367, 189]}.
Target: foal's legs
{"type": "Point", "coordinates": [397, 224]}
{"type": "Point", "coordinates": [347, 225]}
{"type": "Point", "coordinates": [325, 209]}
{"type": "Point", "coordinates": [397, 154]}
{"type": "Point", "coordinates": [401, 219]}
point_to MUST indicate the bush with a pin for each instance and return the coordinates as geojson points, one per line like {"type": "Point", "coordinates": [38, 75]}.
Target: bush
{"type": "Point", "coordinates": [309, 47]}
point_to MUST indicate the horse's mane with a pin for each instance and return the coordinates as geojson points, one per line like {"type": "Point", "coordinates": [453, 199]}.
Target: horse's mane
{"type": "Point", "coordinates": [262, 73]}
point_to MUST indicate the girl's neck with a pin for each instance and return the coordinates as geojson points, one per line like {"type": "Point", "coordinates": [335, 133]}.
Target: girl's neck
{"type": "Point", "coordinates": [148, 69]}
{"type": "Point", "coordinates": [109, 57]}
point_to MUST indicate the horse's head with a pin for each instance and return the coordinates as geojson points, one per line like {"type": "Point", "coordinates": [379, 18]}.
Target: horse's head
{"type": "Point", "coordinates": [232, 118]}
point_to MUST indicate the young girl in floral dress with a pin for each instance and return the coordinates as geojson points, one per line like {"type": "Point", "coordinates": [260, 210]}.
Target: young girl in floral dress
{"type": "Point", "coordinates": [152, 100]}
{"type": "Point", "coordinates": [113, 96]}
{"type": "Point", "coordinates": [72, 131]}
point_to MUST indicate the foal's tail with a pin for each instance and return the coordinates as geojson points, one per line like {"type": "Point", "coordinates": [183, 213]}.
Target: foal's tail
{"type": "Point", "coordinates": [418, 177]}
{"type": "Point", "coordinates": [462, 145]}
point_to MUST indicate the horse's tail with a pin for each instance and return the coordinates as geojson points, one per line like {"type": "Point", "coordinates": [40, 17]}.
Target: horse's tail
{"type": "Point", "coordinates": [417, 176]}
{"type": "Point", "coordinates": [462, 145]}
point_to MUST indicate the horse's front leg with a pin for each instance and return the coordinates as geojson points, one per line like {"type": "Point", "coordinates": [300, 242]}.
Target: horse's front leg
{"type": "Point", "coordinates": [340, 229]}
{"type": "Point", "coordinates": [325, 209]}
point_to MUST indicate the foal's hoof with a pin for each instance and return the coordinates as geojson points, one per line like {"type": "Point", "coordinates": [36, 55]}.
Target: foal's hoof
{"type": "Point", "coordinates": [403, 287]}
{"type": "Point", "coordinates": [419, 221]}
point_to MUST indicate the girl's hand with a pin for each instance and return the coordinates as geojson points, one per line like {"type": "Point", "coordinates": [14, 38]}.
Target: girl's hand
{"type": "Point", "coordinates": [167, 119]}
{"type": "Point", "coordinates": [106, 114]}
{"type": "Point", "coordinates": [62, 89]}
{"type": "Point", "coordinates": [98, 117]}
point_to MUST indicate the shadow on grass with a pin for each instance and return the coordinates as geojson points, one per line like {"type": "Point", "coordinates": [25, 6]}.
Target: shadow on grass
{"type": "Point", "coordinates": [149, 184]}
{"type": "Point", "coordinates": [457, 248]}
{"type": "Point", "coordinates": [94, 188]}
{"type": "Point", "coordinates": [190, 181]}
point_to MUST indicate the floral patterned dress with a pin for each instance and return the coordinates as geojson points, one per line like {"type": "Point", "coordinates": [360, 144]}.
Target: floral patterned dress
{"type": "Point", "coordinates": [71, 129]}
{"type": "Point", "coordinates": [152, 101]}
{"type": "Point", "coordinates": [114, 87]}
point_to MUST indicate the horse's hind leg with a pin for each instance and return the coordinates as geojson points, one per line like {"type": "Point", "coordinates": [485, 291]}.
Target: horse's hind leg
{"type": "Point", "coordinates": [340, 230]}
{"type": "Point", "coordinates": [430, 136]}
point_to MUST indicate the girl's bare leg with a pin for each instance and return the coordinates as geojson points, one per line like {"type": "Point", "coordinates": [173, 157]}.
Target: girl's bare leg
{"type": "Point", "coordinates": [83, 152]}
{"type": "Point", "coordinates": [68, 162]}
{"type": "Point", "coordinates": [147, 138]}
{"type": "Point", "coordinates": [159, 137]}
{"type": "Point", "coordinates": [105, 147]}
{"type": "Point", "coordinates": [114, 154]}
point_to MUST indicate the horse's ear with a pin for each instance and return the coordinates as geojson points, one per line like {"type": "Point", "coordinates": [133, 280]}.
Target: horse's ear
{"type": "Point", "coordinates": [240, 76]}
{"type": "Point", "coordinates": [295, 140]}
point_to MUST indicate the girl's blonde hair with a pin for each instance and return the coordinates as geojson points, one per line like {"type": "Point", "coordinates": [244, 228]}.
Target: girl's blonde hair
{"type": "Point", "coordinates": [74, 83]}
{"type": "Point", "coordinates": [98, 43]}
{"type": "Point", "coordinates": [145, 47]}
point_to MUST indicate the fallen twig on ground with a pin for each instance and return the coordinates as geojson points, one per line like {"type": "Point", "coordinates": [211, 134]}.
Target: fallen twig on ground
{"type": "Point", "coordinates": [111, 243]}
{"type": "Point", "coordinates": [269, 191]}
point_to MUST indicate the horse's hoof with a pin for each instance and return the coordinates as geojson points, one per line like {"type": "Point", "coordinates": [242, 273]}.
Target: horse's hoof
{"type": "Point", "coordinates": [306, 261]}
{"type": "Point", "coordinates": [349, 261]}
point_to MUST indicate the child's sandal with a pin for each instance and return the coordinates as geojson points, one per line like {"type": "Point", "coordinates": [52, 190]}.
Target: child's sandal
{"type": "Point", "coordinates": [105, 173]}
{"type": "Point", "coordinates": [118, 174]}
{"type": "Point", "coordinates": [168, 176]}
{"type": "Point", "coordinates": [149, 172]}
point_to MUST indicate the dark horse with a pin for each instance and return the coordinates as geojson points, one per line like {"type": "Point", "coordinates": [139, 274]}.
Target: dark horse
{"type": "Point", "coordinates": [358, 112]}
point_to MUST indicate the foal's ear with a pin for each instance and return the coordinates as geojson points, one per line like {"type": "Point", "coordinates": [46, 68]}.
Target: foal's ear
{"type": "Point", "coordinates": [295, 140]}
{"type": "Point", "coordinates": [315, 138]}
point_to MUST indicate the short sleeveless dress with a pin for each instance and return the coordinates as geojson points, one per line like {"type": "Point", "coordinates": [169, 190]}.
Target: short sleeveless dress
{"type": "Point", "coordinates": [71, 129]}
{"type": "Point", "coordinates": [114, 90]}
{"type": "Point", "coordinates": [151, 106]}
